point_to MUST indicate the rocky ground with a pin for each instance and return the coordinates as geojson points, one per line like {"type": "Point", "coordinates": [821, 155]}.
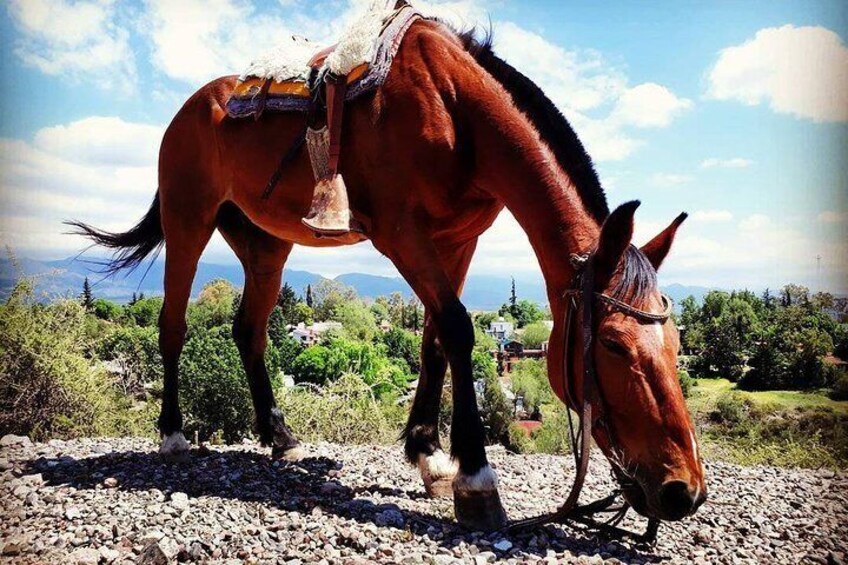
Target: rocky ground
{"type": "Point", "coordinates": [114, 501]}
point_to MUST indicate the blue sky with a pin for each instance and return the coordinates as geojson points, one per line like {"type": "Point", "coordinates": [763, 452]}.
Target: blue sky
{"type": "Point", "coordinates": [736, 112]}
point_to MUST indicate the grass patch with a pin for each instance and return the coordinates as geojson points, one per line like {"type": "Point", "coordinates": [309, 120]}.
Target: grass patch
{"type": "Point", "coordinates": [705, 393]}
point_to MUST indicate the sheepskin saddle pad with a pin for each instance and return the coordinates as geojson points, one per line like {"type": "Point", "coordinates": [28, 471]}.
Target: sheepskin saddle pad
{"type": "Point", "coordinates": [284, 78]}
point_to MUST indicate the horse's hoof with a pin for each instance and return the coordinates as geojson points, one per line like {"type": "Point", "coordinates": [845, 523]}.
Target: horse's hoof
{"type": "Point", "coordinates": [437, 472]}
{"type": "Point", "coordinates": [292, 454]}
{"type": "Point", "coordinates": [479, 511]}
{"type": "Point", "coordinates": [476, 501]}
{"type": "Point", "coordinates": [175, 448]}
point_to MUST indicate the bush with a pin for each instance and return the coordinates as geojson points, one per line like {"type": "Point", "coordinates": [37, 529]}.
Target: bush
{"type": "Point", "coordinates": [530, 381]}
{"type": "Point", "coordinates": [322, 364]}
{"type": "Point", "coordinates": [839, 390]}
{"type": "Point", "coordinates": [48, 387]}
{"type": "Point", "coordinates": [213, 387]}
{"type": "Point", "coordinates": [405, 345]}
{"type": "Point", "coordinates": [106, 309]}
{"type": "Point", "coordinates": [144, 312]}
{"type": "Point", "coordinates": [517, 439]}
{"type": "Point", "coordinates": [136, 351]}
{"type": "Point", "coordinates": [686, 382]}
{"type": "Point", "coordinates": [345, 411]}
{"type": "Point", "coordinates": [496, 410]}
{"type": "Point", "coordinates": [731, 410]}
{"type": "Point", "coordinates": [553, 435]}
{"type": "Point", "coordinates": [535, 334]}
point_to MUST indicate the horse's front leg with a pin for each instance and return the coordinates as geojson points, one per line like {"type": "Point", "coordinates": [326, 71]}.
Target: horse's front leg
{"type": "Point", "coordinates": [476, 500]}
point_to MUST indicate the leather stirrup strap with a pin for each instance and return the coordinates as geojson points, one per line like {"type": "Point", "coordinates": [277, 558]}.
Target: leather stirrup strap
{"type": "Point", "coordinates": [336, 88]}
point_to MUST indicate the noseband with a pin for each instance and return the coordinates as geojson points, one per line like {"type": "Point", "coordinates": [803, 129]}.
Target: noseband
{"type": "Point", "coordinates": [582, 292]}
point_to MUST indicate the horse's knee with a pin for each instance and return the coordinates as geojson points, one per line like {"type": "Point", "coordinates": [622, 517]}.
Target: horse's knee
{"type": "Point", "coordinates": [249, 341]}
{"type": "Point", "coordinates": [456, 330]}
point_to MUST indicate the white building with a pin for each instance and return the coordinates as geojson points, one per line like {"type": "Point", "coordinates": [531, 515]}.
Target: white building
{"type": "Point", "coordinates": [311, 335]}
{"type": "Point", "coordinates": [500, 329]}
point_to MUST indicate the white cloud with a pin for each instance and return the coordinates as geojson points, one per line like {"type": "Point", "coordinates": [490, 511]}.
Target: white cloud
{"type": "Point", "coordinates": [102, 141]}
{"type": "Point", "coordinates": [732, 163]}
{"type": "Point", "coordinates": [591, 92]}
{"type": "Point", "coordinates": [755, 222]}
{"type": "Point", "coordinates": [802, 71]}
{"type": "Point", "coordinates": [666, 180]}
{"type": "Point", "coordinates": [712, 216]}
{"type": "Point", "coordinates": [81, 41]}
{"type": "Point", "coordinates": [649, 105]}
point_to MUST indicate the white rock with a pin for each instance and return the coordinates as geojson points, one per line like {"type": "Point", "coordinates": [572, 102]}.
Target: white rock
{"type": "Point", "coordinates": [85, 556]}
{"type": "Point", "coordinates": [11, 439]}
{"type": "Point", "coordinates": [73, 513]}
{"type": "Point", "coordinates": [179, 500]}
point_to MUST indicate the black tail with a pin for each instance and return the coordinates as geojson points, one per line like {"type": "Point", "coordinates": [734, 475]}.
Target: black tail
{"type": "Point", "coordinates": [131, 247]}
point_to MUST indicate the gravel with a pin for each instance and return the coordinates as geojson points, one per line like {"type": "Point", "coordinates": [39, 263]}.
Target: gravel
{"type": "Point", "coordinates": [97, 501]}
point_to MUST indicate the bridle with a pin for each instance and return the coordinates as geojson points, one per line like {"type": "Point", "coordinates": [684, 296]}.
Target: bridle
{"type": "Point", "coordinates": [582, 292]}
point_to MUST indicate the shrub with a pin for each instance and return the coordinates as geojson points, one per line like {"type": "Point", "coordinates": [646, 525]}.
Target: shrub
{"type": "Point", "coordinates": [731, 410]}
{"type": "Point", "coordinates": [839, 390]}
{"type": "Point", "coordinates": [322, 364]}
{"type": "Point", "coordinates": [136, 351]}
{"type": "Point", "coordinates": [535, 334]}
{"type": "Point", "coordinates": [496, 410]}
{"type": "Point", "coordinates": [144, 312]}
{"type": "Point", "coordinates": [106, 309]}
{"type": "Point", "coordinates": [530, 380]}
{"type": "Point", "coordinates": [517, 439]}
{"type": "Point", "coordinates": [553, 435]}
{"type": "Point", "coordinates": [345, 411]}
{"type": "Point", "coordinates": [213, 388]}
{"type": "Point", "coordinates": [405, 345]}
{"type": "Point", "coordinates": [686, 382]}
{"type": "Point", "coordinates": [48, 386]}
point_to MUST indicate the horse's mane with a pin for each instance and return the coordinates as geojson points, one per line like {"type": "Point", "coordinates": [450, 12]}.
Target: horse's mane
{"type": "Point", "coordinates": [552, 126]}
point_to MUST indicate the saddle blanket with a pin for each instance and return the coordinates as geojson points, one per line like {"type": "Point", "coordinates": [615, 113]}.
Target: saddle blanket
{"type": "Point", "coordinates": [363, 54]}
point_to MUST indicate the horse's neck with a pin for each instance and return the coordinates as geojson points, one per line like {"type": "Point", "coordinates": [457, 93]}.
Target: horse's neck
{"type": "Point", "coordinates": [522, 172]}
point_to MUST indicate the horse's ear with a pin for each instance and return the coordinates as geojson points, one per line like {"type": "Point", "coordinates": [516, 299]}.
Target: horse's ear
{"type": "Point", "coordinates": [657, 249]}
{"type": "Point", "coordinates": [616, 234]}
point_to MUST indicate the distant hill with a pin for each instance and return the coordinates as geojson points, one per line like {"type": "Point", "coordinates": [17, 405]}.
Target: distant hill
{"type": "Point", "coordinates": [65, 278]}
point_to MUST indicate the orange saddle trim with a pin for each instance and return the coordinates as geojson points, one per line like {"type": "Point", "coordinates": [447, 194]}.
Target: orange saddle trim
{"type": "Point", "coordinates": [253, 86]}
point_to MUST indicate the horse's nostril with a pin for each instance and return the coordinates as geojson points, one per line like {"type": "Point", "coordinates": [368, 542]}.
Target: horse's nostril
{"type": "Point", "coordinates": [678, 500]}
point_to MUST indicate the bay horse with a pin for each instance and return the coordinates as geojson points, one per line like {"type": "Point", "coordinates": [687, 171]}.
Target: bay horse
{"type": "Point", "coordinates": [432, 157]}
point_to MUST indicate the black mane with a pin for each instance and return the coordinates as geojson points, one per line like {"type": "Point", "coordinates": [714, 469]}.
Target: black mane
{"type": "Point", "coordinates": [552, 126]}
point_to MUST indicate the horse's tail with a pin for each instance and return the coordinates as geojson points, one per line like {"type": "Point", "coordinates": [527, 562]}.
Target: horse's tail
{"type": "Point", "coordinates": [130, 247]}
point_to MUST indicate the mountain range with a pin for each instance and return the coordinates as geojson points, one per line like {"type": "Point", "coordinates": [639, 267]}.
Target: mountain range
{"type": "Point", "coordinates": [65, 277]}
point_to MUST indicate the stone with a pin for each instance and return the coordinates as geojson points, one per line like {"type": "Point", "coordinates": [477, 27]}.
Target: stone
{"type": "Point", "coordinates": [10, 440]}
{"type": "Point", "coordinates": [152, 554]}
{"type": "Point", "coordinates": [108, 554]}
{"type": "Point", "coordinates": [179, 500]}
{"type": "Point", "coordinates": [73, 513]}
{"type": "Point", "coordinates": [503, 545]}
{"type": "Point", "coordinates": [110, 482]}
{"type": "Point", "coordinates": [85, 556]}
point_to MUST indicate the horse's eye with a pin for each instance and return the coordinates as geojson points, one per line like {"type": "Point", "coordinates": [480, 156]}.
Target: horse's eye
{"type": "Point", "coordinates": [615, 347]}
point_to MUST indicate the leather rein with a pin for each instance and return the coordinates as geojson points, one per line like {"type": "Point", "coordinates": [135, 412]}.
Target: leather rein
{"type": "Point", "coordinates": [582, 292]}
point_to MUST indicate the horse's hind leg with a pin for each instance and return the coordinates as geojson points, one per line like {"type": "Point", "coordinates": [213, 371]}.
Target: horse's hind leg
{"type": "Point", "coordinates": [423, 446]}
{"type": "Point", "coordinates": [263, 257]}
{"type": "Point", "coordinates": [184, 244]}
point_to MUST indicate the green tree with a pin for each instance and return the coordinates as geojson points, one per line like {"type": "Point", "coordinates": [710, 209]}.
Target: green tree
{"type": "Point", "coordinates": [356, 319]}
{"type": "Point", "coordinates": [145, 311]}
{"type": "Point", "coordinates": [287, 302]}
{"type": "Point", "coordinates": [328, 294]}
{"type": "Point", "coordinates": [402, 344]}
{"type": "Point", "coordinates": [496, 410]}
{"type": "Point", "coordinates": [106, 309]}
{"type": "Point", "coordinates": [215, 306]}
{"type": "Point", "coordinates": [535, 334]}
{"type": "Point", "coordinates": [87, 298]}
{"type": "Point", "coordinates": [309, 299]}
{"type": "Point", "coordinates": [530, 380]}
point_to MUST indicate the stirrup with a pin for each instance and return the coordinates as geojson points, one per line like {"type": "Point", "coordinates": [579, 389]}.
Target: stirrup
{"type": "Point", "coordinates": [330, 213]}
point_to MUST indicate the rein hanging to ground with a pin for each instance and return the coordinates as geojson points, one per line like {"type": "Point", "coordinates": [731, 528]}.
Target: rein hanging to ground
{"type": "Point", "coordinates": [582, 291]}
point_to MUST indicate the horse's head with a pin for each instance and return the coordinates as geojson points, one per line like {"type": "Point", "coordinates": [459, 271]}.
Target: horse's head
{"type": "Point", "coordinates": [643, 428]}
